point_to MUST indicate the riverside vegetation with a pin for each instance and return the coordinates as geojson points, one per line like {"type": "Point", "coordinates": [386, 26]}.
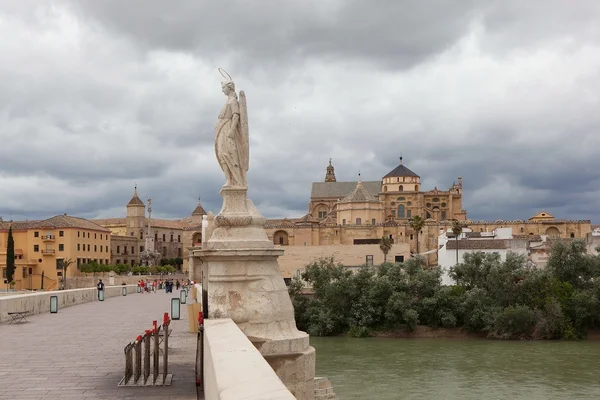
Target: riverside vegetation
{"type": "Point", "coordinates": [508, 299]}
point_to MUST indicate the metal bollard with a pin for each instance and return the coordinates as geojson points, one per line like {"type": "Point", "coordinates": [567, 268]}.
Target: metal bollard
{"type": "Point", "coordinates": [53, 304]}
{"type": "Point", "coordinates": [128, 363]}
{"type": "Point", "coordinates": [166, 350]}
{"type": "Point", "coordinates": [200, 353]}
{"type": "Point", "coordinates": [146, 341]}
{"type": "Point", "coordinates": [156, 355]}
{"type": "Point", "coordinates": [138, 359]}
{"type": "Point", "coordinates": [182, 296]}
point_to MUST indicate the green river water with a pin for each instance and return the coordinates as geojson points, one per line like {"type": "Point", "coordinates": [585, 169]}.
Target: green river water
{"type": "Point", "coordinates": [449, 369]}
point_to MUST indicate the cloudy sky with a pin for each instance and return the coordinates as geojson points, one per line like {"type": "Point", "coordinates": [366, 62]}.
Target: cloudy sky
{"type": "Point", "coordinates": [96, 96]}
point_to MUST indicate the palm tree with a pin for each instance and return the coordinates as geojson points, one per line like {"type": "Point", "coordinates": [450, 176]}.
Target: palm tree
{"type": "Point", "coordinates": [457, 229]}
{"type": "Point", "coordinates": [65, 264]}
{"type": "Point", "coordinates": [417, 223]}
{"type": "Point", "coordinates": [385, 244]}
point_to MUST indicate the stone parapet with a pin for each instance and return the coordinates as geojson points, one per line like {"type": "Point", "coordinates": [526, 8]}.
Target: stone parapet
{"type": "Point", "coordinates": [37, 303]}
{"type": "Point", "coordinates": [234, 368]}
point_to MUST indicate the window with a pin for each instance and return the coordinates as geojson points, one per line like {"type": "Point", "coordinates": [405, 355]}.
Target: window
{"type": "Point", "coordinates": [522, 229]}
{"type": "Point", "coordinates": [443, 205]}
{"type": "Point", "coordinates": [179, 238]}
{"type": "Point", "coordinates": [141, 248]}
{"type": "Point", "coordinates": [156, 236]}
{"type": "Point", "coordinates": [369, 260]}
{"type": "Point", "coordinates": [164, 237]}
{"type": "Point", "coordinates": [61, 247]}
{"type": "Point", "coordinates": [400, 211]}
{"type": "Point", "coordinates": [411, 237]}
{"type": "Point", "coordinates": [400, 188]}
{"type": "Point", "coordinates": [399, 259]}
{"type": "Point", "coordinates": [358, 221]}
{"type": "Point", "coordinates": [36, 248]}
{"type": "Point", "coordinates": [408, 213]}
{"type": "Point", "coordinates": [322, 214]}
{"type": "Point", "coordinates": [373, 222]}
{"type": "Point", "coordinates": [427, 215]}
{"type": "Point", "coordinates": [428, 205]}
{"type": "Point", "coordinates": [88, 247]}
{"type": "Point", "coordinates": [131, 234]}
{"type": "Point", "coordinates": [101, 249]}
{"type": "Point", "coordinates": [36, 234]}
{"type": "Point", "coordinates": [416, 188]}
{"type": "Point", "coordinates": [101, 236]}
{"type": "Point", "coordinates": [24, 272]}
{"type": "Point", "coordinates": [443, 215]}
{"type": "Point", "coordinates": [118, 261]}
{"type": "Point", "coordinates": [61, 233]}
{"type": "Point", "coordinates": [171, 238]}
{"type": "Point", "coordinates": [281, 240]}
{"type": "Point", "coordinates": [78, 247]}
{"type": "Point", "coordinates": [95, 236]}
{"type": "Point", "coordinates": [393, 213]}
{"type": "Point", "coordinates": [401, 198]}
{"type": "Point", "coordinates": [409, 203]}
{"type": "Point", "coordinates": [78, 234]}
{"type": "Point", "coordinates": [343, 222]}
{"type": "Point", "coordinates": [88, 235]}
{"type": "Point", "coordinates": [572, 235]}
{"type": "Point", "coordinates": [164, 252]}
{"type": "Point", "coordinates": [436, 200]}
{"type": "Point", "coordinates": [141, 234]}
{"type": "Point", "coordinates": [118, 249]}
{"type": "Point", "coordinates": [95, 248]}
{"type": "Point", "coordinates": [132, 250]}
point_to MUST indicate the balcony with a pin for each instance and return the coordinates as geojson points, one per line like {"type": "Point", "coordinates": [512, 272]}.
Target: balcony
{"type": "Point", "coordinates": [48, 238]}
{"type": "Point", "coordinates": [48, 252]}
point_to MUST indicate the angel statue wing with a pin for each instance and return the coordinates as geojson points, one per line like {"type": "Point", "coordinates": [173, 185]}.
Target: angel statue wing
{"type": "Point", "coordinates": [245, 139]}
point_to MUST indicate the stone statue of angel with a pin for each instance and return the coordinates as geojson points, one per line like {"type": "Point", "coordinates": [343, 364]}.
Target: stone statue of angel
{"type": "Point", "coordinates": [232, 138]}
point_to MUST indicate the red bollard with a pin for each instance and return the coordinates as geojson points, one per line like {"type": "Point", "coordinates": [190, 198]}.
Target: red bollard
{"type": "Point", "coordinates": [166, 318]}
{"type": "Point", "coordinates": [200, 319]}
{"type": "Point", "coordinates": [154, 327]}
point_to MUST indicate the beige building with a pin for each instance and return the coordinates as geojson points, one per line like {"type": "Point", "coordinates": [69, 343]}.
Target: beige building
{"type": "Point", "coordinates": [171, 237]}
{"type": "Point", "coordinates": [360, 213]}
{"type": "Point", "coordinates": [42, 247]}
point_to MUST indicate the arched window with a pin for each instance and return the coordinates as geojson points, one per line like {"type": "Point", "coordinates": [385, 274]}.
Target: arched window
{"type": "Point", "coordinates": [358, 221]}
{"type": "Point", "coordinates": [416, 188]}
{"type": "Point", "coordinates": [522, 229]}
{"type": "Point", "coordinates": [401, 188]}
{"type": "Point", "coordinates": [427, 215]}
{"type": "Point", "coordinates": [343, 222]}
{"type": "Point", "coordinates": [572, 235]}
{"type": "Point", "coordinates": [373, 221]}
{"type": "Point", "coordinates": [400, 211]}
{"type": "Point", "coordinates": [385, 188]}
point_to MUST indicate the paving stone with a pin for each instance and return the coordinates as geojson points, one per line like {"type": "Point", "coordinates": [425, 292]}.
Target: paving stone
{"type": "Point", "coordinates": [78, 352]}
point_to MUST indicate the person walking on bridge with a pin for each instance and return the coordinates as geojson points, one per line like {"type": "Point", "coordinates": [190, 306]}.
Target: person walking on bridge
{"type": "Point", "coordinates": [100, 287]}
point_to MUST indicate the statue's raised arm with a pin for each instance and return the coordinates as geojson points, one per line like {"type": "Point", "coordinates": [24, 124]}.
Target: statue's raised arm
{"type": "Point", "coordinates": [231, 136]}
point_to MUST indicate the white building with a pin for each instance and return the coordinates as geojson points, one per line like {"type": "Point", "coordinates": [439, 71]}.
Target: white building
{"type": "Point", "coordinates": [499, 241]}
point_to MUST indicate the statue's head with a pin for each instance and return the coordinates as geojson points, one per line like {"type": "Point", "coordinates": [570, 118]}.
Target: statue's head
{"type": "Point", "coordinates": [228, 87]}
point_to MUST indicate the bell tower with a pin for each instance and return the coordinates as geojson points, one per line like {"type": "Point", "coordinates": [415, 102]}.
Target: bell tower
{"type": "Point", "coordinates": [330, 175]}
{"type": "Point", "coordinates": [136, 215]}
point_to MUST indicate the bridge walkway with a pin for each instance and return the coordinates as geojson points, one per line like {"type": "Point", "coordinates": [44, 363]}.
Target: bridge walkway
{"type": "Point", "coordinates": [77, 353]}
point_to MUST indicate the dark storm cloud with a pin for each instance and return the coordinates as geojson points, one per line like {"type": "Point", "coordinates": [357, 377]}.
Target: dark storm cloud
{"type": "Point", "coordinates": [96, 96]}
{"type": "Point", "coordinates": [387, 32]}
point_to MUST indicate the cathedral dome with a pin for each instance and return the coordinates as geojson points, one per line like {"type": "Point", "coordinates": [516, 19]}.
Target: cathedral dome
{"type": "Point", "coordinates": [400, 171]}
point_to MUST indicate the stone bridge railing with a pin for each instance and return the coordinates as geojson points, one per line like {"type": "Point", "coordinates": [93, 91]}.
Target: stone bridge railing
{"type": "Point", "coordinates": [39, 302]}
{"type": "Point", "coordinates": [234, 368]}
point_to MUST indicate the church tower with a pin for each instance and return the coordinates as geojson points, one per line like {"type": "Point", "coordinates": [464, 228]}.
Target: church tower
{"type": "Point", "coordinates": [136, 216]}
{"type": "Point", "coordinates": [198, 213]}
{"type": "Point", "coordinates": [330, 175]}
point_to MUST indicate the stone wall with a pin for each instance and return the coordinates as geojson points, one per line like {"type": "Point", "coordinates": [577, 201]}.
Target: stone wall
{"type": "Point", "coordinates": [91, 281]}
{"type": "Point", "coordinates": [37, 303]}
{"type": "Point", "coordinates": [234, 368]}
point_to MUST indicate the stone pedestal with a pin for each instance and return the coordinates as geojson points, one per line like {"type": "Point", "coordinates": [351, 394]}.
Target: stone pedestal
{"type": "Point", "coordinates": [245, 284]}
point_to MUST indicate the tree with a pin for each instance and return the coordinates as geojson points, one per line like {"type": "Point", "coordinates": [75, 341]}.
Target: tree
{"type": "Point", "coordinates": [10, 257]}
{"type": "Point", "coordinates": [417, 223]}
{"type": "Point", "coordinates": [66, 263]}
{"type": "Point", "coordinates": [457, 229]}
{"type": "Point", "coordinates": [385, 245]}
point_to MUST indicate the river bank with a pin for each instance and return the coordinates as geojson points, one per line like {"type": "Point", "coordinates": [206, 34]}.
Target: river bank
{"type": "Point", "coordinates": [427, 332]}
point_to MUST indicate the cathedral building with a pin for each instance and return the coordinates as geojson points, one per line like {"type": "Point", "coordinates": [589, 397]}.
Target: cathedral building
{"type": "Point", "coordinates": [362, 212]}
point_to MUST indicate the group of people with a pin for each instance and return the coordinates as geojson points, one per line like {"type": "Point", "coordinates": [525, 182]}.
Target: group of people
{"type": "Point", "coordinates": [158, 284]}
